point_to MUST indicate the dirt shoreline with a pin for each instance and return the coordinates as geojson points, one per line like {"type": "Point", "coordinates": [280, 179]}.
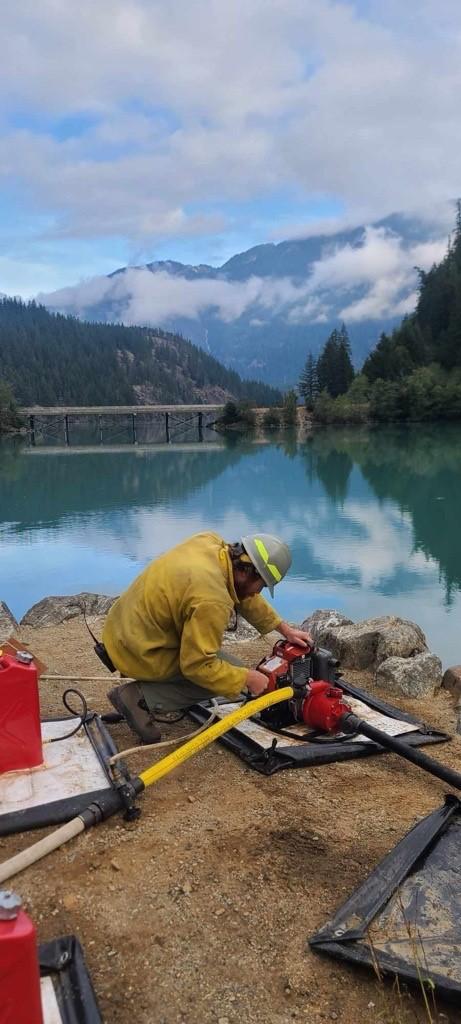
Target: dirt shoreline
{"type": "Point", "coordinates": [200, 912]}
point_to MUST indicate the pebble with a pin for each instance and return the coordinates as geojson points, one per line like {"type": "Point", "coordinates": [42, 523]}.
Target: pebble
{"type": "Point", "coordinates": [70, 901]}
{"type": "Point", "coordinates": [115, 865]}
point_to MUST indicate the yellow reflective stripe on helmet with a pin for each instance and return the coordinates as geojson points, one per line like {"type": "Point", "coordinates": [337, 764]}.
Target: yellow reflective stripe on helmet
{"type": "Point", "coordinates": [274, 571]}
{"type": "Point", "coordinates": [262, 550]}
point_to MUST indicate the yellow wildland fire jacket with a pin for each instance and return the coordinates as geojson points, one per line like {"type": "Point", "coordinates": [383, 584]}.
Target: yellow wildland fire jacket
{"type": "Point", "coordinates": [172, 618]}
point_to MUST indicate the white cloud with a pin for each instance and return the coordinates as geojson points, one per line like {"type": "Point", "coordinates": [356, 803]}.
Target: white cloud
{"type": "Point", "coordinates": [145, 297]}
{"type": "Point", "coordinates": [226, 103]}
{"type": "Point", "coordinates": [381, 266]}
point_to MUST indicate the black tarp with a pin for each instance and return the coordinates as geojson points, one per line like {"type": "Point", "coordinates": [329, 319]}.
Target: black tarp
{"type": "Point", "coordinates": [307, 753]}
{"type": "Point", "coordinates": [62, 960]}
{"type": "Point", "coordinates": [405, 919]}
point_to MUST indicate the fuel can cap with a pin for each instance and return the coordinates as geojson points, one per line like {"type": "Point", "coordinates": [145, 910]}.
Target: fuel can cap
{"type": "Point", "coordinates": [25, 657]}
{"type": "Point", "coordinates": [10, 905]}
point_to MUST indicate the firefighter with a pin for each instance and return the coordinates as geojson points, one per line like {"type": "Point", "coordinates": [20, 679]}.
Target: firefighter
{"type": "Point", "coordinates": [166, 630]}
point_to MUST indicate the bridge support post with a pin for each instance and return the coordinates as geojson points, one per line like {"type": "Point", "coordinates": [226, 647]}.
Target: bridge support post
{"type": "Point", "coordinates": [167, 426]}
{"type": "Point", "coordinates": [66, 428]}
{"type": "Point", "coordinates": [100, 428]}
{"type": "Point", "coordinates": [32, 429]}
{"type": "Point", "coordinates": [200, 426]}
{"type": "Point", "coordinates": [133, 427]}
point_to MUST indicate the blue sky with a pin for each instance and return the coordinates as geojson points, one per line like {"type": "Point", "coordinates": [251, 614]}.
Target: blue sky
{"type": "Point", "coordinates": [134, 130]}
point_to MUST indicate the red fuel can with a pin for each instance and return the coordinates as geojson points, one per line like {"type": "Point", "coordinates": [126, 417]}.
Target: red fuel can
{"type": "Point", "coordinates": [20, 732]}
{"type": "Point", "coordinates": [20, 999]}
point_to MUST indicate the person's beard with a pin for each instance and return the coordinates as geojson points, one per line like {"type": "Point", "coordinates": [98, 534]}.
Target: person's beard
{"type": "Point", "coordinates": [243, 588]}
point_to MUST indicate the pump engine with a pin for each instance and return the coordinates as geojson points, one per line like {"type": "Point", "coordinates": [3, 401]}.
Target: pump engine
{"type": "Point", "coordinates": [313, 673]}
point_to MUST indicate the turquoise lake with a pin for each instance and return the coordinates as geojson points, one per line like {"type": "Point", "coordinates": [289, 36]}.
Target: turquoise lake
{"type": "Point", "coordinates": [372, 517]}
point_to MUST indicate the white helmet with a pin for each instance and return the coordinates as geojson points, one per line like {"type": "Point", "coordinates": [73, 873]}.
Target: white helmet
{"type": "Point", "coordinates": [270, 556]}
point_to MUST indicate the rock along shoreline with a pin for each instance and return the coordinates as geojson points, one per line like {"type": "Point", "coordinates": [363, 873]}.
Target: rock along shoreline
{"type": "Point", "coordinates": [393, 649]}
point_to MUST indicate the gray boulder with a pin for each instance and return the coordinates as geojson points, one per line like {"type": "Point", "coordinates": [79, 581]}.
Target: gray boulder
{"type": "Point", "coordinates": [364, 645]}
{"type": "Point", "coordinates": [8, 623]}
{"type": "Point", "coordinates": [240, 631]}
{"type": "Point", "coordinates": [410, 677]}
{"type": "Point", "coordinates": [452, 680]}
{"type": "Point", "coordinates": [51, 611]}
{"type": "Point", "coordinates": [322, 621]}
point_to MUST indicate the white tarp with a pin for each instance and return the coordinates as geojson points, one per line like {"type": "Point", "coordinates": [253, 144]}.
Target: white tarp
{"type": "Point", "coordinates": [71, 767]}
{"type": "Point", "coordinates": [51, 1013]}
{"type": "Point", "coordinates": [264, 737]}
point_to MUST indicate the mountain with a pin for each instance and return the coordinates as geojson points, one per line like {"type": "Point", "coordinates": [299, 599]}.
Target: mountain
{"type": "Point", "coordinates": [263, 310]}
{"type": "Point", "coordinates": [51, 359]}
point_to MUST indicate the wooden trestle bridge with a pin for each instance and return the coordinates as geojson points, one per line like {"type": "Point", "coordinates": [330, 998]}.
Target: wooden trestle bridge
{"type": "Point", "coordinates": [57, 422]}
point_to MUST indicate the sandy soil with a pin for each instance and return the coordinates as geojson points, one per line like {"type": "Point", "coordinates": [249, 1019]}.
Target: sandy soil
{"type": "Point", "coordinates": [200, 912]}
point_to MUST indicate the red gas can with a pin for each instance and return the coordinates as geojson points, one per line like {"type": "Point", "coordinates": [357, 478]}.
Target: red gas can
{"type": "Point", "coordinates": [20, 732]}
{"type": "Point", "coordinates": [20, 1000]}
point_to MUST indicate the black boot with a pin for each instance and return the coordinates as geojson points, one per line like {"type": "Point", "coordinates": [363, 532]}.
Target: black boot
{"type": "Point", "coordinates": [128, 700]}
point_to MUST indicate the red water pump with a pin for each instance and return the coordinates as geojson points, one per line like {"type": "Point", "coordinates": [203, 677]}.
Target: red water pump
{"type": "Point", "coordinates": [319, 703]}
{"type": "Point", "coordinates": [313, 674]}
{"type": "Point", "coordinates": [20, 731]}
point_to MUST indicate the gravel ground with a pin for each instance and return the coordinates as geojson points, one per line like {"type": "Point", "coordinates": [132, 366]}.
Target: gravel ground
{"type": "Point", "coordinates": [199, 912]}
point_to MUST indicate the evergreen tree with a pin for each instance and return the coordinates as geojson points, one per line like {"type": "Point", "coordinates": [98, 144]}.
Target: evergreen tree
{"type": "Point", "coordinates": [390, 360]}
{"type": "Point", "coordinates": [334, 367]}
{"type": "Point", "coordinates": [308, 385]}
{"type": "Point", "coordinates": [327, 363]}
{"type": "Point", "coordinates": [345, 367]}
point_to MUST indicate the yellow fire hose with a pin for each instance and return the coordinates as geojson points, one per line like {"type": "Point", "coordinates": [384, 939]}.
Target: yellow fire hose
{"type": "Point", "coordinates": [93, 814]}
{"type": "Point", "coordinates": [252, 707]}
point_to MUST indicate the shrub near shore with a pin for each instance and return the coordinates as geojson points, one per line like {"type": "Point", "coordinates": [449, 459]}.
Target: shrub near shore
{"type": "Point", "coordinates": [428, 393]}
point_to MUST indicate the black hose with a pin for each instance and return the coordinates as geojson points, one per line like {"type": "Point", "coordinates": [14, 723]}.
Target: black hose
{"type": "Point", "coordinates": [82, 717]}
{"type": "Point", "coordinates": [352, 723]}
{"type": "Point", "coordinates": [308, 737]}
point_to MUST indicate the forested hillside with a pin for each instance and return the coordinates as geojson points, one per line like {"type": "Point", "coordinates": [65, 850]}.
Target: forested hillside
{"type": "Point", "coordinates": [50, 359]}
{"type": "Point", "coordinates": [433, 333]}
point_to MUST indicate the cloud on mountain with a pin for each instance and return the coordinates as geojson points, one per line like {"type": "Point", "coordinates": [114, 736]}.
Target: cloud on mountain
{"type": "Point", "coordinates": [381, 267]}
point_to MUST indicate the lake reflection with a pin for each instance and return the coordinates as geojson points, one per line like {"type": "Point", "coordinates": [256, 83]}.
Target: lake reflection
{"type": "Point", "coordinates": [371, 516]}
